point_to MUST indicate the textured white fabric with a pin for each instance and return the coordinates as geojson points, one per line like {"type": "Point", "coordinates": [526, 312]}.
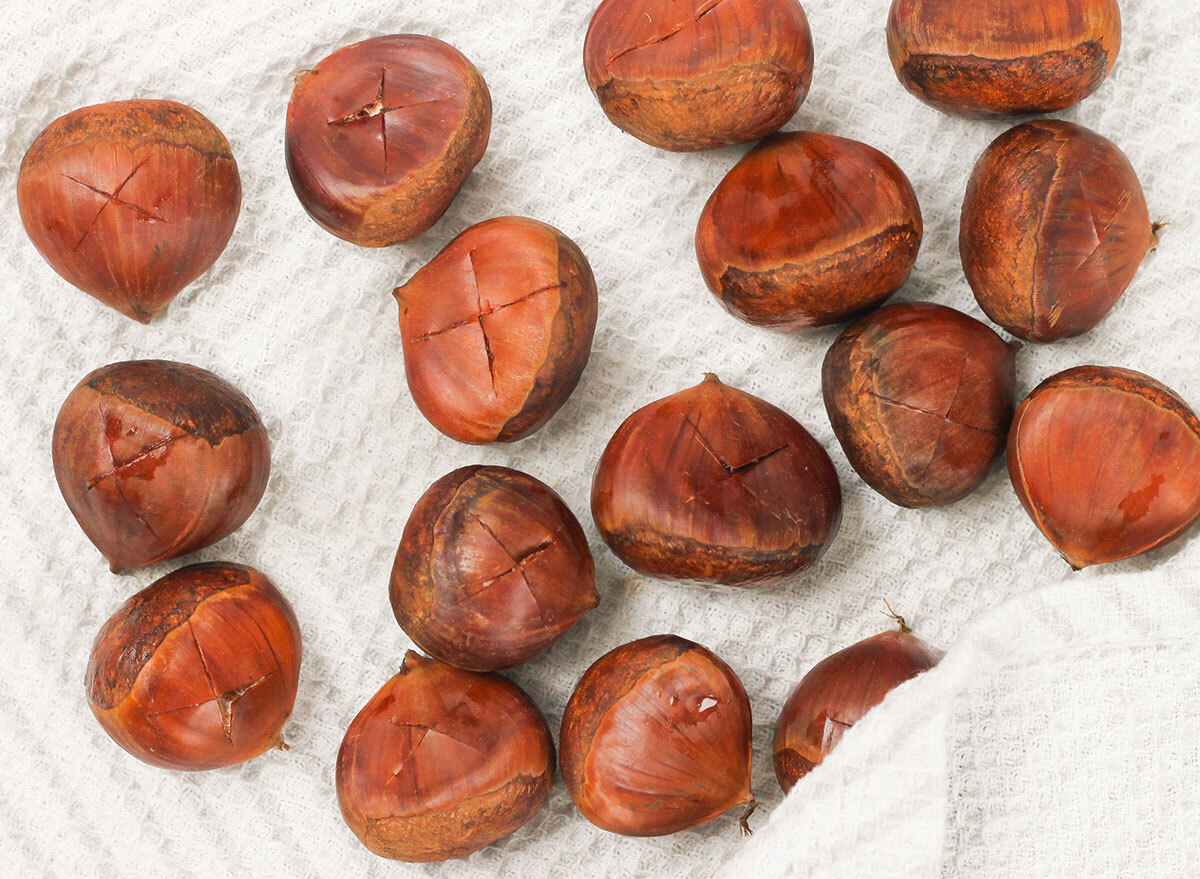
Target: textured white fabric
{"type": "Point", "coordinates": [1058, 736]}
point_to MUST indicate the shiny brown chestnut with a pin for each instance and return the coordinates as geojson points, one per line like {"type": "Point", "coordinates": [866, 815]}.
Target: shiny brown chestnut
{"type": "Point", "coordinates": [497, 329]}
{"type": "Point", "coordinates": [1005, 56]}
{"type": "Point", "coordinates": [656, 738]}
{"type": "Point", "coordinates": [697, 74]}
{"type": "Point", "coordinates": [199, 669]}
{"type": "Point", "coordinates": [1054, 226]}
{"type": "Point", "coordinates": [130, 201]}
{"type": "Point", "coordinates": [382, 134]}
{"type": "Point", "coordinates": [442, 762]}
{"type": "Point", "coordinates": [715, 485]}
{"type": "Point", "coordinates": [920, 396]}
{"type": "Point", "coordinates": [1106, 461]}
{"type": "Point", "coordinates": [158, 459]}
{"type": "Point", "coordinates": [807, 230]}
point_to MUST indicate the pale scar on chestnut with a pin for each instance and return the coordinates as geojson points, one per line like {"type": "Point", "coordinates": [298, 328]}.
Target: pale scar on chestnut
{"type": "Point", "coordinates": [670, 32]}
{"type": "Point", "coordinates": [112, 198]}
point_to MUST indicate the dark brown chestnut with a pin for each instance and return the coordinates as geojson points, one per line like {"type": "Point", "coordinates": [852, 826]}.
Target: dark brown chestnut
{"type": "Point", "coordinates": [807, 230]}
{"type": "Point", "coordinates": [920, 397]}
{"type": "Point", "coordinates": [497, 329]}
{"type": "Point", "coordinates": [382, 134]}
{"type": "Point", "coordinates": [130, 201]}
{"type": "Point", "coordinates": [158, 459]}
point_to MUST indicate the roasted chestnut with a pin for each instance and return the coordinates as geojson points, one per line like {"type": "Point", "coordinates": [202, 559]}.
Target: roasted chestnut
{"type": "Point", "coordinates": [497, 329]}
{"type": "Point", "coordinates": [382, 134]}
{"type": "Point", "coordinates": [715, 485]}
{"type": "Point", "coordinates": [807, 230]}
{"type": "Point", "coordinates": [656, 739]}
{"type": "Point", "coordinates": [1106, 462]}
{"type": "Point", "coordinates": [920, 397]}
{"type": "Point", "coordinates": [158, 459]}
{"type": "Point", "coordinates": [697, 74]}
{"type": "Point", "coordinates": [199, 669]}
{"type": "Point", "coordinates": [1054, 227]}
{"type": "Point", "coordinates": [130, 201]}
{"type": "Point", "coordinates": [442, 762]}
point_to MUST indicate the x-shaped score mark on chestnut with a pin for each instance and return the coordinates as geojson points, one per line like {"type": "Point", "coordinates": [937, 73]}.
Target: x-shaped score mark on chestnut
{"type": "Point", "coordinates": [113, 198]}
{"type": "Point", "coordinates": [688, 18]}
{"type": "Point", "coordinates": [731, 471]}
{"type": "Point", "coordinates": [519, 560]}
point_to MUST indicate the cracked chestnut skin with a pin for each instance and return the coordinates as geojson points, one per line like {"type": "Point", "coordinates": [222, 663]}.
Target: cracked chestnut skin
{"type": "Point", "coordinates": [157, 459]}
{"type": "Point", "coordinates": [714, 485]}
{"type": "Point", "coordinates": [807, 230]}
{"type": "Point", "coordinates": [442, 762]}
{"type": "Point", "coordinates": [130, 201]}
{"type": "Point", "coordinates": [698, 74]}
{"type": "Point", "coordinates": [493, 567]}
{"type": "Point", "coordinates": [382, 134]}
{"type": "Point", "coordinates": [198, 670]}
{"type": "Point", "coordinates": [497, 329]}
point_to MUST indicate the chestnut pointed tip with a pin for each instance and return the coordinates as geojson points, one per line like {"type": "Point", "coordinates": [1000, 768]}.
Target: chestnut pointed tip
{"type": "Point", "coordinates": [744, 821]}
{"type": "Point", "coordinates": [713, 378]}
{"type": "Point", "coordinates": [1155, 232]}
{"type": "Point", "coordinates": [282, 745]}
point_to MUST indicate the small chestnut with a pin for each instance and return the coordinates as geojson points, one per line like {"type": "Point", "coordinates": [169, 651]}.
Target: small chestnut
{"type": "Point", "coordinates": [199, 669]}
{"type": "Point", "coordinates": [1054, 226]}
{"type": "Point", "coordinates": [807, 230]}
{"type": "Point", "coordinates": [1106, 462]}
{"type": "Point", "coordinates": [497, 329]}
{"type": "Point", "coordinates": [697, 74]}
{"type": "Point", "coordinates": [382, 134]}
{"type": "Point", "coordinates": [656, 738]}
{"type": "Point", "coordinates": [130, 201]}
{"type": "Point", "coordinates": [158, 459]}
{"type": "Point", "coordinates": [715, 485]}
{"type": "Point", "coordinates": [442, 762]}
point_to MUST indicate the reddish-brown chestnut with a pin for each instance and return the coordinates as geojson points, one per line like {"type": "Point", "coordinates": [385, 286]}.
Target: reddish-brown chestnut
{"type": "Point", "coordinates": [492, 568]}
{"type": "Point", "coordinates": [497, 329]}
{"type": "Point", "coordinates": [920, 397]}
{"type": "Point", "coordinates": [656, 739]}
{"type": "Point", "coordinates": [806, 230]}
{"type": "Point", "coordinates": [130, 201]}
{"type": "Point", "coordinates": [199, 669]}
{"type": "Point", "coordinates": [697, 74]}
{"type": "Point", "coordinates": [442, 762]}
{"type": "Point", "coordinates": [382, 134]}
{"type": "Point", "coordinates": [1004, 56]}
{"type": "Point", "coordinates": [158, 459]}
{"type": "Point", "coordinates": [1106, 462]}
{"type": "Point", "coordinates": [715, 485]}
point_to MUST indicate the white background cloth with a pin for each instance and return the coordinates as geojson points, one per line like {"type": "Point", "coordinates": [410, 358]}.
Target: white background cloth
{"type": "Point", "coordinates": [1058, 737]}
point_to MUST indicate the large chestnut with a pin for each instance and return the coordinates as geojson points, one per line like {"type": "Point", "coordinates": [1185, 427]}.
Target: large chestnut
{"type": "Point", "coordinates": [656, 738]}
{"type": "Point", "coordinates": [497, 329]}
{"type": "Point", "coordinates": [158, 459]}
{"type": "Point", "coordinates": [1106, 462]}
{"type": "Point", "coordinates": [199, 669]}
{"type": "Point", "coordinates": [808, 229]}
{"type": "Point", "coordinates": [130, 201]}
{"type": "Point", "coordinates": [442, 762]}
{"type": "Point", "coordinates": [382, 134]}
{"type": "Point", "coordinates": [920, 397]}
{"type": "Point", "coordinates": [715, 485]}
{"type": "Point", "coordinates": [1003, 56]}
{"type": "Point", "coordinates": [492, 569]}
{"type": "Point", "coordinates": [697, 74]}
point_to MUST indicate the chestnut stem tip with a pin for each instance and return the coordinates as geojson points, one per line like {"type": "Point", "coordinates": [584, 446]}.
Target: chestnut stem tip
{"type": "Point", "coordinates": [904, 629]}
{"type": "Point", "coordinates": [744, 821]}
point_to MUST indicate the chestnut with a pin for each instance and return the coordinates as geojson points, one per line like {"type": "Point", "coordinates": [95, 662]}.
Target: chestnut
{"type": "Point", "coordinates": [492, 568]}
{"type": "Point", "coordinates": [442, 762]}
{"type": "Point", "coordinates": [920, 396]}
{"type": "Point", "coordinates": [199, 669]}
{"type": "Point", "coordinates": [697, 74]}
{"type": "Point", "coordinates": [130, 201]}
{"type": "Point", "coordinates": [382, 134]}
{"type": "Point", "coordinates": [715, 485]}
{"type": "Point", "coordinates": [1054, 227]}
{"type": "Point", "coordinates": [497, 329]}
{"type": "Point", "coordinates": [1106, 462]}
{"type": "Point", "coordinates": [807, 230]}
{"type": "Point", "coordinates": [656, 738]}
{"type": "Point", "coordinates": [158, 459]}
{"type": "Point", "coordinates": [1005, 56]}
